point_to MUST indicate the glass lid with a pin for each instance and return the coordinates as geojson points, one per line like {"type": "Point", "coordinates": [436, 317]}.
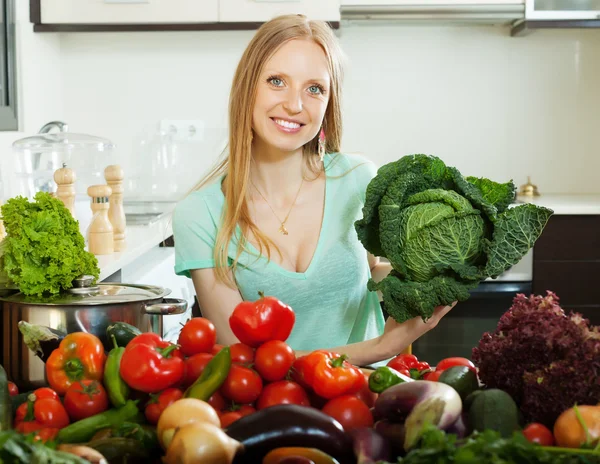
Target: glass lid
{"type": "Point", "coordinates": [62, 142]}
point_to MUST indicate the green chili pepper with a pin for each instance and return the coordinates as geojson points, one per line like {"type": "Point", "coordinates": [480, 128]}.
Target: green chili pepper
{"type": "Point", "coordinates": [117, 389]}
{"type": "Point", "coordinates": [212, 377]}
{"type": "Point", "coordinates": [383, 378]}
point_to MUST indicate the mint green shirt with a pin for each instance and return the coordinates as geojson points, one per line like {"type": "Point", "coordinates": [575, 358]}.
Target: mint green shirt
{"type": "Point", "coordinates": [332, 304]}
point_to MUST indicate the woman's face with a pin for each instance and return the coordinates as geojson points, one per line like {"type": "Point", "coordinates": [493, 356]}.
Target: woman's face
{"type": "Point", "coordinates": [292, 96]}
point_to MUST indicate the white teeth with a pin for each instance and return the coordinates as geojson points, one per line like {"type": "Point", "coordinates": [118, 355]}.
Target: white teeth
{"type": "Point", "coordinates": [288, 124]}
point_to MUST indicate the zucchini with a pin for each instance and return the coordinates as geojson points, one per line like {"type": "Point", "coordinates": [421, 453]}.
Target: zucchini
{"type": "Point", "coordinates": [5, 403]}
{"type": "Point", "coordinates": [493, 409]}
{"type": "Point", "coordinates": [462, 379]}
{"type": "Point", "coordinates": [122, 332]}
{"type": "Point", "coordinates": [40, 339]}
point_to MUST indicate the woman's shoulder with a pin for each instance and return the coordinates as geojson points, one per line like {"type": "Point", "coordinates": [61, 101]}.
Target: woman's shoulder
{"type": "Point", "coordinates": [199, 205]}
{"type": "Point", "coordinates": [343, 162]}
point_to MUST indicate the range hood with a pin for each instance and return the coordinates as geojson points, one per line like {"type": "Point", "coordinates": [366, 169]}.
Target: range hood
{"type": "Point", "coordinates": [548, 14]}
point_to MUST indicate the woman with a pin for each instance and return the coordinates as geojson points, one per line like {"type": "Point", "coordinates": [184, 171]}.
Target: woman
{"type": "Point", "coordinates": [277, 215]}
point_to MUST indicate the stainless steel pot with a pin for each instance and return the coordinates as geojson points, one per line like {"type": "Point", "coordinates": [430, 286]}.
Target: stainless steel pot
{"type": "Point", "coordinates": [83, 308]}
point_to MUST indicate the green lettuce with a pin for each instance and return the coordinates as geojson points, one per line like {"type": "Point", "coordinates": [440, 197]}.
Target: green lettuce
{"type": "Point", "coordinates": [442, 233]}
{"type": "Point", "coordinates": [43, 251]}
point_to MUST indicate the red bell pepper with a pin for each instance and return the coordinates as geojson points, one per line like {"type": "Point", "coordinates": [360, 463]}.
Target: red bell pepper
{"type": "Point", "coordinates": [330, 375]}
{"type": "Point", "coordinates": [80, 356]}
{"type": "Point", "coordinates": [151, 364]}
{"type": "Point", "coordinates": [42, 413]}
{"type": "Point", "coordinates": [255, 323]}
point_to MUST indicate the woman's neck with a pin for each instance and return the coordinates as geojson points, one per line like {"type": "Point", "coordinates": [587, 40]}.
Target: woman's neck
{"type": "Point", "coordinates": [277, 175]}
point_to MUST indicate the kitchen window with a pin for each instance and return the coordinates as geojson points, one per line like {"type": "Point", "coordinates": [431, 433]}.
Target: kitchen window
{"type": "Point", "coordinates": [8, 65]}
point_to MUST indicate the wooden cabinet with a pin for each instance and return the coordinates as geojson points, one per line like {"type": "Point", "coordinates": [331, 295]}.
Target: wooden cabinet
{"type": "Point", "coordinates": [566, 260]}
{"type": "Point", "coordinates": [263, 10]}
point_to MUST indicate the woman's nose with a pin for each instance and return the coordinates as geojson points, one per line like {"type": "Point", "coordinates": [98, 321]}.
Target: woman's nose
{"type": "Point", "coordinates": [293, 102]}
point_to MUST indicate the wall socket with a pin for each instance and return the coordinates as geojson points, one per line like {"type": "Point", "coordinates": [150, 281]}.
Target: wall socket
{"type": "Point", "coordinates": [183, 130]}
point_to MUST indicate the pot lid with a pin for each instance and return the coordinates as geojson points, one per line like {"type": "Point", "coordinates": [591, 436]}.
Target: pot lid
{"type": "Point", "coordinates": [83, 294]}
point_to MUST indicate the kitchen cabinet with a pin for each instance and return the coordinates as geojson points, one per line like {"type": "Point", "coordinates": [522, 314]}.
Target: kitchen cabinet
{"type": "Point", "coordinates": [263, 10]}
{"type": "Point", "coordinates": [566, 260]}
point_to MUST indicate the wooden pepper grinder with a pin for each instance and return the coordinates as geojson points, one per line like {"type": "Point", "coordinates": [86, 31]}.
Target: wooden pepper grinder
{"type": "Point", "coordinates": [65, 180]}
{"type": "Point", "coordinates": [100, 232]}
{"type": "Point", "coordinates": [116, 214]}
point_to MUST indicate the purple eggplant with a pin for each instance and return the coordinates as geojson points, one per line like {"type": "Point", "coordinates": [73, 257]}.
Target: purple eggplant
{"type": "Point", "coordinates": [418, 403]}
{"type": "Point", "coordinates": [393, 432]}
{"type": "Point", "coordinates": [370, 446]}
{"type": "Point", "coordinates": [458, 428]}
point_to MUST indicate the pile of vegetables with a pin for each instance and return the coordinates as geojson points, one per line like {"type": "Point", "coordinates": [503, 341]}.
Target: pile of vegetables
{"type": "Point", "coordinates": [43, 250]}
{"type": "Point", "coordinates": [442, 233]}
{"type": "Point", "coordinates": [545, 359]}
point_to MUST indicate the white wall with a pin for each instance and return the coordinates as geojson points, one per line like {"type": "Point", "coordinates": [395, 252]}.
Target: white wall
{"type": "Point", "coordinates": [488, 103]}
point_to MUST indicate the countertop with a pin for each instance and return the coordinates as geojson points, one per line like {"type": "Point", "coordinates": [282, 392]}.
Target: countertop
{"type": "Point", "coordinates": [563, 204]}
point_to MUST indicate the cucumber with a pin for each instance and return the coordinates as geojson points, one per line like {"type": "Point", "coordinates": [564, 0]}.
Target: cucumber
{"type": "Point", "coordinates": [122, 332]}
{"type": "Point", "coordinates": [462, 379]}
{"type": "Point", "coordinates": [494, 409]}
{"type": "Point", "coordinates": [5, 403]}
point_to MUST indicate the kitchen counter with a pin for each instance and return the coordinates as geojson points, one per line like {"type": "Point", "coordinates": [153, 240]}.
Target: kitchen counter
{"type": "Point", "coordinates": [564, 204]}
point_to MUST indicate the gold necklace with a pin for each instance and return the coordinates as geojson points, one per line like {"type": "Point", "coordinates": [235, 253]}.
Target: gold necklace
{"type": "Point", "coordinates": [282, 229]}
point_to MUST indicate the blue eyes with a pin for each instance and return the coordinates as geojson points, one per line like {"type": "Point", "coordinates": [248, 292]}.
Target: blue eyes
{"type": "Point", "coordinates": [314, 89]}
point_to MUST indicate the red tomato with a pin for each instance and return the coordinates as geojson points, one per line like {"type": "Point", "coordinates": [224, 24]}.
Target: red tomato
{"type": "Point", "coordinates": [433, 375]}
{"type": "Point", "coordinates": [194, 366]}
{"type": "Point", "coordinates": [246, 409]}
{"type": "Point", "coordinates": [273, 360]}
{"type": "Point", "coordinates": [241, 354]}
{"type": "Point", "coordinates": [282, 392]}
{"type": "Point", "coordinates": [229, 418]}
{"type": "Point", "coordinates": [216, 348]}
{"type": "Point", "coordinates": [160, 402]}
{"type": "Point", "coordinates": [349, 411]}
{"type": "Point", "coordinates": [12, 389]}
{"type": "Point", "coordinates": [217, 401]}
{"type": "Point", "coordinates": [403, 361]}
{"type": "Point", "coordinates": [450, 362]}
{"type": "Point", "coordinates": [242, 385]}
{"type": "Point", "coordinates": [539, 433]}
{"type": "Point", "coordinates": [197, 336]}
{"type": "Point", "coordinates": [85, 398]}
{"type": "Point", "coordinates": [365, 394]}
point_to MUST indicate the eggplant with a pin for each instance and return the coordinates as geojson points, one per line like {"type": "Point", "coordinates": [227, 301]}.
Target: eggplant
{"type": "Point", "coordinates": [370, 446]}
{"type": "Point", "coordinates": [289, 425]}
{"type": "Point", "coordinates": [417, 403]}
{"type": "Point", "coordinates": [40, 339]}
{"type": "Point", "coordinates": [459, 428]}
{"type": "Point", "coordinates": [393, 432]}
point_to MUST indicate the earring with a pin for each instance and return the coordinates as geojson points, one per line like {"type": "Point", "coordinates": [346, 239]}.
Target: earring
{"type": "Point", "coordinates": [322, 144]}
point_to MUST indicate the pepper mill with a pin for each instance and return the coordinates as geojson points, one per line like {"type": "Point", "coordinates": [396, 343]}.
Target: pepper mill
{"type": "Point", "coordinates": [116, 214]}
{"type": "Point", "coordinates": [65, 181]}
{"type": "Point", "coordinates": [100, 232]}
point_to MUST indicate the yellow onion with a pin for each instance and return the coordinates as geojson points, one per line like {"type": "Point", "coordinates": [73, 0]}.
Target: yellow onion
{"type": "Point", "coordinates": [201, 442]}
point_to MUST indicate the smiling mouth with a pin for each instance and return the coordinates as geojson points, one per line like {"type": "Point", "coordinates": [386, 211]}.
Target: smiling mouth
{"type": "Point", "coordinates": [287, 124]}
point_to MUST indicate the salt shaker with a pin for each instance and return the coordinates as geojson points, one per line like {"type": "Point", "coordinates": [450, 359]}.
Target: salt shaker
{"type": "Point", "coordinates": [100, 232]}
{"type": "Point", "coordinates": [116, 214]}
{"type": "Point", "coordinates": [65, 180]}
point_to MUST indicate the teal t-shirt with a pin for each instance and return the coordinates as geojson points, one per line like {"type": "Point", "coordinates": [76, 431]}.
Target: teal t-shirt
{"type": "Point", "coordinates": [332, 304]}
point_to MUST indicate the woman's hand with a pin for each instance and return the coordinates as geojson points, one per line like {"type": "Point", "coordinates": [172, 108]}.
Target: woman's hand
{"type": "Point", "coordinates": [397, 336]}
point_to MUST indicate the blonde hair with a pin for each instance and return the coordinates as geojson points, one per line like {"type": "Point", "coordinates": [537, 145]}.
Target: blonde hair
{"type": "Point", "coordinates": [236, 164]}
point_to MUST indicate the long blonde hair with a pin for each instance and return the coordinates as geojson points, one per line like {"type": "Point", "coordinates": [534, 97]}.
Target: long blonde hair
{"type": "Point", "coordinates": [236, 164]}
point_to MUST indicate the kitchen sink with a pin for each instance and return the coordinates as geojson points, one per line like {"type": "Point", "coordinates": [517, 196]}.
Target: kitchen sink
{"type": "Point", "coordinates": [142, 213]}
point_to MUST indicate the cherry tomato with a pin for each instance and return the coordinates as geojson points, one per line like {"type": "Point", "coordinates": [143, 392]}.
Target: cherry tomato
{"type": "Point", "coordinates": [403, 362]}
{"type": "Point", "coordinates": [160, 402]}
{"type": "Point", "coordinates": [194, 365]}
{"type": "Point", "coordinates": [450, 362]}
{"type": "Point", "coordinates": [13, 390]}
{"type": "Point", "coordinates": [197, 336]}
{"type": "Point", "coordinates": [241, 354]}
{"type": "Point", "coordinates": [229, 418]}
{"type": "Point", "coordinates": [216, 349]}
{"type": "Point", "coordinates": [273, 360]}
{"type": "Point", "coordinates": [434, 376]}
{"type": "Point", "coordinates": [217, 401]}
{"type": "Point", "coordinates": [242, 385]}
{"type": "Point", "coordinates": [539, 433]}
{"type": "Point", "coordinates": [246, 409]}
{"type": "Point", "coordinates": [85, 398]}
{"type": "Point", "coordinates": [282, 392]}
{"type": "Point", "coordinates": [349, 411]}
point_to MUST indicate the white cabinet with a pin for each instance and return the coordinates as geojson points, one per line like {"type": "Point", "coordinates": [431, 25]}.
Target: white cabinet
{"type": "Point", "coordinates": [128, 11]}
{"type": "Point", "coordinates": [264, 10]}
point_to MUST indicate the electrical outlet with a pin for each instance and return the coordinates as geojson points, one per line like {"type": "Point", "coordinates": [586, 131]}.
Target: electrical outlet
{"type": "Point", "coordinates": [184, 130]}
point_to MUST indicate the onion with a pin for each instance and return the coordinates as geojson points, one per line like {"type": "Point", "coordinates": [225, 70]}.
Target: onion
{"type": "Point", "coordinates": [85, 452]}
{"type": "Point", "coordinates": [201, 442]}
{"type": "Point", "coordinates": [182, 412]}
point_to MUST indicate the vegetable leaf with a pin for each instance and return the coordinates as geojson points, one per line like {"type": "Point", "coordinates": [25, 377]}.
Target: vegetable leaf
{"type": "Point", "coordinates": [499, 195]}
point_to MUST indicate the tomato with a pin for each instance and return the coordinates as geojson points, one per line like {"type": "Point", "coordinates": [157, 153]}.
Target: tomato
{"type": "Point", "coordinates": [403, 362]}
{"type": "Point", "coordinates": [216, 348]}
{"type": "Point", "coordinates": [539, 433]}
{"type": "Point", "coordinates": [422, 366]}
{"type": "Point", "coordinates": [13, 390]}
{"type": "Point", "coordinates": [160, 402]}
{"type": "Point", "coordinates": [241, 354]}
{"type": "Point", "coordinates": [282, 392]}
{"type": "Point", "coordinates": [349, 411]}
{"type": "Point", "coordinates": [365, 394]}
{"type": "Point", "coordinates": [194, 366]}
{"type": "Point", "coordinates": [229, 418]}
{"type": "Point", "coordinates": [434, 376]}
{"type": "Point", "coordinates": [242, 385]}
{"type": "Point", "coordinates": [85, 398]}
{"type": "Point", "coordinates": [217, 401]}
{"type": "Point", "coordinates": [48, 412]}
{"type": "Point", "coordinates": [197, 336]}
{"type": "Point", "coordinates": [273, 360]}
{"type": "Point", "coordinates": [246, 409]}
{"type": "Point", "coordinates": [450, 362]}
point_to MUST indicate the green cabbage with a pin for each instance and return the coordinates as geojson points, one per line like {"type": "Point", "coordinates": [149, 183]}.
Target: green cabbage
{"type": "Point", "coordinates": [442, 233]}
{"type": "Point", "coordinates": [43, 251]}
